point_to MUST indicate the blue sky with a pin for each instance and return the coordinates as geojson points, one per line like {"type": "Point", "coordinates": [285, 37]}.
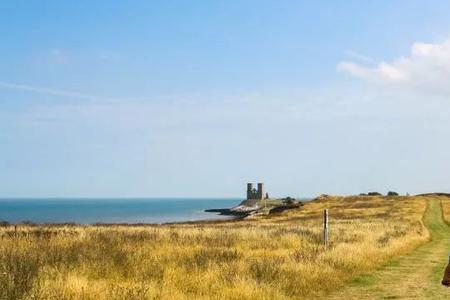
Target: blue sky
{"type": "Point", "coordinates": [195, 98]}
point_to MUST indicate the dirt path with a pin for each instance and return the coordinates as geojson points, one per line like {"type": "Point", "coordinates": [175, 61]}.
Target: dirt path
{"type": "Point", "coordinates": [415, 276]}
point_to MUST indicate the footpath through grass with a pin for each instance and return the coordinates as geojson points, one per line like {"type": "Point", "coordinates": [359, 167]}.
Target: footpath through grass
{"type": "Point", "coordinates": [417, 275]}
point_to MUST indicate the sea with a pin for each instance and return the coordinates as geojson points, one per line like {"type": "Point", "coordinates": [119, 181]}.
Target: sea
{"type": "Point", "coordinates": [114, 210]}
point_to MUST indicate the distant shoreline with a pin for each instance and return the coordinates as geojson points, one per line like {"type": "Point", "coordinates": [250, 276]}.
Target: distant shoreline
{"type": "Point", "coordinates": [149, 224]}
{"type": "Point", "coordinates": [153, 211]}
{"type": "Point", "coordinates": [209, 218]}
{"type": "Point", "coordinates": [204, 218]}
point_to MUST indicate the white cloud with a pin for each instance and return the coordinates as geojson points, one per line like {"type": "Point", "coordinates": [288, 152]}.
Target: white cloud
{"type": "Point", "coordinates": [426, 67]}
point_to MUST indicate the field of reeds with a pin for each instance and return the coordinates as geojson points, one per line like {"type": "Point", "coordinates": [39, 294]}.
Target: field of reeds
{"type": "Point", "coordinates": [276, 257]}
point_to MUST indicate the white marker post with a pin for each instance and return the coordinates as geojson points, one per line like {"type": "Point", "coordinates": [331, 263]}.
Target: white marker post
{"type": "Point", "coordinates": [325, 227]}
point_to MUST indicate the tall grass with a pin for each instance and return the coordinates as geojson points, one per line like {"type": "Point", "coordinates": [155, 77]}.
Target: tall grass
{"type": "Point", "coordinates": [278, 257]}
{"type": "Point", "coordinates": [445, 203]}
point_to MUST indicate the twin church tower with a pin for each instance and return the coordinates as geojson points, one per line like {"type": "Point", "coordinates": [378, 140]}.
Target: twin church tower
{"type": "Point", "coordinates": [256, 194]}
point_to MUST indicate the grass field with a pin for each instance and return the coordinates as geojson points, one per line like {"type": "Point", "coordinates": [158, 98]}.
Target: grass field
{"type": "Point", "coordinates": [277, 257]}
{"type": "Point", "coordinates": [445, 202]}
{"type": "Point", "coordinates": [417, 275]}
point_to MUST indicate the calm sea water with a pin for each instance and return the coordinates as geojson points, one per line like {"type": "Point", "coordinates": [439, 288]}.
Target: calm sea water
{"type": "Point", "coordinates": [86, 211]}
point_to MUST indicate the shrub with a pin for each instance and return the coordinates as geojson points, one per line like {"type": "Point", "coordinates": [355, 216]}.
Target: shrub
{"type": "Point", "coordinates": [374, 194]}
{"type": "Point", "coordinates": [391, 193]}
{"type": "Point", "coordinates": [289, 201]}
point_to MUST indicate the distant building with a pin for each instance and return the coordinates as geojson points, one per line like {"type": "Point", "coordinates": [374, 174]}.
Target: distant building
{"type": "Point", "coordinates": [256, 194]}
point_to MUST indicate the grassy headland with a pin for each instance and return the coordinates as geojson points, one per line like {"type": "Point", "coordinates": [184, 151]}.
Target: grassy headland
{"type": "Point", "coordinates": [266, 257]}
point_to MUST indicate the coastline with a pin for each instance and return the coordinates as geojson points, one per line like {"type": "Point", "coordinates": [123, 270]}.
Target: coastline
{"type": "Point", "coordinates": [88, 211]}
{"type": "Point", "coordinates": [223, 216]}
{"type": "Point", "coordinates": [110, 224]}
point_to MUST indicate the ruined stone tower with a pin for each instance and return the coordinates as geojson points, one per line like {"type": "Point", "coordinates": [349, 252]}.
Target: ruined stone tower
{"type": "Point", "coordinates": [255, 194]}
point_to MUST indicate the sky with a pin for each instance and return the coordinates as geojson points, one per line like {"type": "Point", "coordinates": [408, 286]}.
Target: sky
{"type": "Point", "coordinates": [197, 98]}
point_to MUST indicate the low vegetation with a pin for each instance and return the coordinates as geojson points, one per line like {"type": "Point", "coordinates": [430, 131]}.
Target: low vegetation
{"type": "Point", "coordinates": [416, 275]}
{"type": "Point", "coordinates": [391, 193]}
{"type": "Point", "coordinates": [445, 202]}
{"type": "Point", "coordinates": [275, 257]}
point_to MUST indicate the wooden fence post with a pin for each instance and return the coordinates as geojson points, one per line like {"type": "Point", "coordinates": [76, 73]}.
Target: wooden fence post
{"type": "Point", "coordinates": [325, 227]}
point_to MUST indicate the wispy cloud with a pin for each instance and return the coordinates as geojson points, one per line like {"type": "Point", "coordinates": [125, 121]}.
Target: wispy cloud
{"type": "Point", "coordinates": [49, 91]}
{"type": "Point", "coordinates": [84, 96]}
{"type": "Point", "coordinates": [426, 67]}
{"type": "Point", "coordinates": [108, 55]}
{"type": "Point", "coordinates": [360, 57]}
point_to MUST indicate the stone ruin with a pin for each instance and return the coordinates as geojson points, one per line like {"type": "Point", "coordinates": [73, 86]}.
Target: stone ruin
{"type": "Point", "coordinates": [256, 194]}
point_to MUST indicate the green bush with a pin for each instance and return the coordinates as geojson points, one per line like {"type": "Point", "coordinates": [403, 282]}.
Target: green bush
{"type": "Point", "coordinates": [374, 194]}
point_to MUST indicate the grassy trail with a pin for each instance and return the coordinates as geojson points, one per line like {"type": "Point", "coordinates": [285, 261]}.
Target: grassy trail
{"type": "Point", "coordinates": [414, 276]}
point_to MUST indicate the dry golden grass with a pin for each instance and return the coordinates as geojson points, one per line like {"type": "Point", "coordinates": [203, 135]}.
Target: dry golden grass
{"type": "Point", "coordinates": [278, 257]}
{"type": "Point", "coordinates": [445, 202]}
{"type": "Point", "coordinates": [416, 275]}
